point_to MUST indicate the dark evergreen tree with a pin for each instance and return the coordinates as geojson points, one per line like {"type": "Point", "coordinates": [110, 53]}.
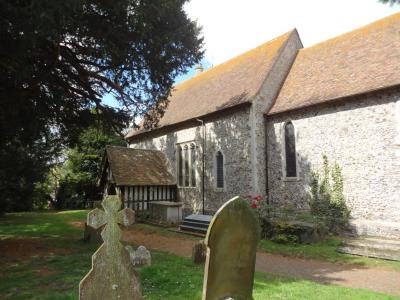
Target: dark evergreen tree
{"type": "Point", "coordinates": [391, 2]}
{"type": "Point", "coordinates": [77, 182]}
{"type": "Point", "coordinates": [59, 58]}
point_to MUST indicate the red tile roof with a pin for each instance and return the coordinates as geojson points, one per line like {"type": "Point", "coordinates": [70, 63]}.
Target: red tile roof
{"type": "Point", "coordinates": [357, 62]}
{"type": "Point", "coordinates": [134, 167]}
{"type": "Point", "coordinates": [226, 85]}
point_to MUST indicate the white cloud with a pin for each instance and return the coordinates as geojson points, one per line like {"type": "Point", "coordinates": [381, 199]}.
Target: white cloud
{"type": "Point", "coordinates": [231, 27]}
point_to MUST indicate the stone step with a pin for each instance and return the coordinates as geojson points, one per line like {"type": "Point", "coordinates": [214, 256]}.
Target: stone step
{"type": "Point", "coordinates": [383, 240]}
{"type": "Point", "coordinates": [194, 224]}
{"type": "Point", "coordinates": [372, 242]}
{"type": "Point", "coordinates": [193, 229]}
{"type": "Point", "coordinates": [204, 219]}
{"type": "Point", "coordinates": [372, 247]}
{"type": "Point", "coordinates": [388, 229]}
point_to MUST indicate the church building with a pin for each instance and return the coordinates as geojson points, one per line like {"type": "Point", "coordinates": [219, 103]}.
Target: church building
{"type": "Point", "coordinates": [260, 123]}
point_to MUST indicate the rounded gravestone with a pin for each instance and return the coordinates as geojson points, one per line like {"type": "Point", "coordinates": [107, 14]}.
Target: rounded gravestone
{"type": "Point", "coordinates": [231, 241]}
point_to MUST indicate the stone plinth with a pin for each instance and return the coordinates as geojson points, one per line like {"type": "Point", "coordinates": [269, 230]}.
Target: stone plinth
{"type": "Point", "coordinates": [166, 212]}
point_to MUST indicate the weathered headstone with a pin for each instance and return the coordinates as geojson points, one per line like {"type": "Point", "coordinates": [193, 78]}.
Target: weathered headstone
{"type": "Point", "coordinates": [231, 241]}
{"type": "Point", "coordinates": [140, 257]}
{"type": "Point", "coordinates": [112, 275]}
{"type": "Point", "coordinates": [92, 235]}
{"type": "Point", "coordinates": [199, 252]}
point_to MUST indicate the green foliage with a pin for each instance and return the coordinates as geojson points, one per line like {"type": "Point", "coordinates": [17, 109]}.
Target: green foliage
{"type": "Point", "coordinates": [57, 61]}
{"type": "Point", "coordinates": [391, 2]}
{"type": "Point", "coordinates": [78, 181]}
{"type": "Point", "coordinates": [282, 238]}
{"type": "Point", "coordinates": [326, 198]}
{"type": "Point", "coordinates": [21, 168]}
{"type": "Point", "coordinates": [292, 231]}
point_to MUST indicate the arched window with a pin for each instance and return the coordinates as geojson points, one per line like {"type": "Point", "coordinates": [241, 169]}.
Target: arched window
{"type": "Point", "coordinates": [186, 164]}
{"type": "Point", "coordinates": [186, 160]}
{"type": "Point", "coordinates": [193, 164]}
{"type": "Point", "coordinates": [180, 166]}
{"type": "Point", "coordinates": [220, 169]}
{"type": "Point", "coordinates": [290, 150]}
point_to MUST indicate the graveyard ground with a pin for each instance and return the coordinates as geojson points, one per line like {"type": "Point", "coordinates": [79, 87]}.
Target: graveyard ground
{"type": "Point", "coordinates": [42, 257]}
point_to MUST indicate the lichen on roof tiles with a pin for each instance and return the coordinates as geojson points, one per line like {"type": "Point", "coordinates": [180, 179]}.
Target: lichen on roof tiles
{"type": "Point", "coordinates": [356, 62]}
{"type": "Point", "coordinates": [226, 85]}
{"type": "Point", "coordinates": [138, 167]}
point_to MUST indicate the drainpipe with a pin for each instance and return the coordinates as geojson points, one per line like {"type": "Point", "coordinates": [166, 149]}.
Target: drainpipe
{"type": "Point", "coordinates": [203, 163]}
{"type": "Point", "coordinates": [266, 161]}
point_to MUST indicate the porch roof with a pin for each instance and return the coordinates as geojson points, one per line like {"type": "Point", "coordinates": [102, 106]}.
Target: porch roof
{"type": "Point", "coordinates": [137, 167]}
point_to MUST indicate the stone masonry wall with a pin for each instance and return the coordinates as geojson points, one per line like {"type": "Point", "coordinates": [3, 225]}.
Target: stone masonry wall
{"type": "Point", "coordinates": [360, 135]}
{"type": "Point", "coordinates": [230, 134]}
{"type": "Point", "coordinates": [261, 103]}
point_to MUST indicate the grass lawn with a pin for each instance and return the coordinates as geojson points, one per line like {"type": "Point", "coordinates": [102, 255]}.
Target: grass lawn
{"type": "Point", "coordinates": [326, 251]}
{"type": "Point", "coordinates": [56, 271]}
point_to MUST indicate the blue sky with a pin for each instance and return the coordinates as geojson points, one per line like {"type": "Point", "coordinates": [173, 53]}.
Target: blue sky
{"type": "Point", "coordinates": [231, 27]}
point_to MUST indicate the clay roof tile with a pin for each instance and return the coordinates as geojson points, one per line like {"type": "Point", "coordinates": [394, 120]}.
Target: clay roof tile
{"type": "Point", "coordinates": [360, 61]}
{"type": "Point", "coordinates": [226, 85]}
{"type": "Point", "coordinates": [138, 167]}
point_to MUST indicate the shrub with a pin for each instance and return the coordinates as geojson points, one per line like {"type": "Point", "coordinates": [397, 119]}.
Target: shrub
{"type": "Point", "coordinates": [326, 198]}
{"type": "Point", "coordinates": [286, 225]}
{"type": "Point", "coordinates": [282, 238]}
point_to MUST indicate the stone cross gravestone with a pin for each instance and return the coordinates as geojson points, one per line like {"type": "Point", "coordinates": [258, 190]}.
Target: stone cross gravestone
{"type": "Point", "coordinates": [112, 275]}
{"type": "Point", "coordinates": [231, 242]}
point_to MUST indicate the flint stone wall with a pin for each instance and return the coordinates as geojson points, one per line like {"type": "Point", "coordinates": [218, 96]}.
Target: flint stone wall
{"type": "Point", "coordinates": [229, 133]}
{"type": "Point", "coordinates": [240, 136]}
{"type": "Point", "coordinates": [361, 135]}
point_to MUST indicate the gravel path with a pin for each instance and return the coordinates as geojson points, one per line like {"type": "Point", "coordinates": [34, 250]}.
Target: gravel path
{"type": "Point", "coordinates": [375, 279]}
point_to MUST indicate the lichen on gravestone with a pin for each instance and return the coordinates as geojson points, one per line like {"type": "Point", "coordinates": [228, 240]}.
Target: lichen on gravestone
{"type": "Point", "coordinates": [112, 275]}
{"type": "Point", "coordinates": [231, 242]}
{"type": "Point", "coordinates": [140, 257]}
{"type": "Point", "coordinates": [199, 252]}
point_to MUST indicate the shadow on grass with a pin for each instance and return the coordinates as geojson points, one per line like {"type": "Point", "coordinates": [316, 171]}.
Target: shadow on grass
{"type": "Point", "coordinates": [268, 286]}
{"type": "Point", "coordinates": [169, 277]}
{"type": "Point", "coordinates": [326, 251]}
{"type": "Point", "coordinates": [40, 224]}
{"type": "Point", "coordinates": [53, 275]}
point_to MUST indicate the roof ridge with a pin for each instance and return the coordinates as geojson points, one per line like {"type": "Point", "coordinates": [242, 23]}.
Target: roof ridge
{"type": "Point", "coordinates": [363, 27]}
{"type": "Point", "coordinates": [279, 53]}
{"type": "Point", "coordinates": [121, 147]}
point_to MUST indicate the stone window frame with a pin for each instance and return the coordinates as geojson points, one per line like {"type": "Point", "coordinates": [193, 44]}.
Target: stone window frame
{"type": "Point", "coordinates": [182, 172]}
{"type": "Point", "coordinates": [283, 143]}
{"type": "Point", "coordinates": [216, 188]}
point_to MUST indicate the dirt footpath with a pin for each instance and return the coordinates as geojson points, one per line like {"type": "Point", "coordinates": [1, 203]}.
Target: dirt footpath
{"type": "Point", "coordinates": [380, 280]}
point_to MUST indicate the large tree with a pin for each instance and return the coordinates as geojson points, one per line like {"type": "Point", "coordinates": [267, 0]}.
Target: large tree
{"type": "Point", "coordinates": [59, 58]}
{"type": "Point", "coordinates": [391, 2]}
{"type": "Point", "coordinates": [77, 176]}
